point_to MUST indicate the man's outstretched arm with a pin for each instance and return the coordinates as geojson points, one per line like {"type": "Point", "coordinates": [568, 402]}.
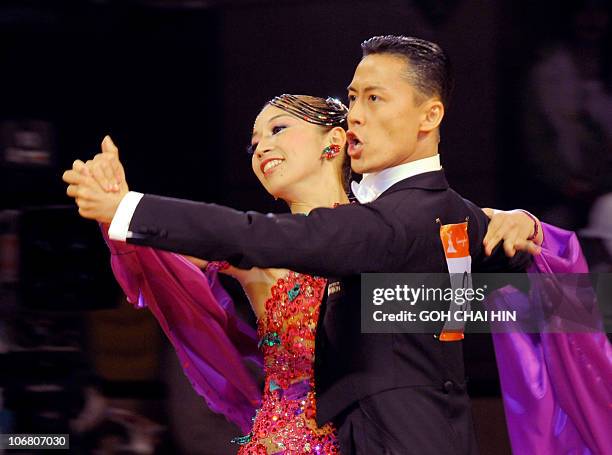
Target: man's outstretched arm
{"type": "Point", "coordinates": [346, 240]}
{"type": "Point", "coordinates": [341, 241]}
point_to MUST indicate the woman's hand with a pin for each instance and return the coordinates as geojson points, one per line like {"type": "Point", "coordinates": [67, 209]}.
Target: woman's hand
{"type": "Point", "coordinates": [514, 228]}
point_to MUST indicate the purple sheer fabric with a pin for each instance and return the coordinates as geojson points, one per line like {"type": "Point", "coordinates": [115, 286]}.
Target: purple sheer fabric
{"type": "Point", "coordinates": [200, 320]}
{"type": "Point", "coordinates": [557, 387]}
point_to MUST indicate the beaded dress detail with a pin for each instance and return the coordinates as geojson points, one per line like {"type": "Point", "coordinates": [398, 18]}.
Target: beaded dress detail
{"type": "Point", "coordinates": [285, 424]}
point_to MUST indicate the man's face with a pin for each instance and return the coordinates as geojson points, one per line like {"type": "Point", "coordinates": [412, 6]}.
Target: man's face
{"type": "Point", "coordinates": [383, 119]}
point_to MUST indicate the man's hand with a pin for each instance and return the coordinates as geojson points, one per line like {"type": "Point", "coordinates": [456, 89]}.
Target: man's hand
{"type": "Point", "coordinates": [98, 185]}
{"type": "Point", "coordinates": [514, 228]}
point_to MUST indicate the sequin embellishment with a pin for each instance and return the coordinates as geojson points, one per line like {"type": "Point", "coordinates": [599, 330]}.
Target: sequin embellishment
{"type": "Point", "coordinates": [293, 292]}
{"type": "Point", "coordinates": [285, 424]}
{"type": "Point", "coordinates": [242, 439]}
{"type": "Point", "coordinates": [269, 339]}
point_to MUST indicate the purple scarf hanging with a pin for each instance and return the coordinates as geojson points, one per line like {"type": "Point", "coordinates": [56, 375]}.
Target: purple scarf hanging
{"type": "Point", "coordinates": [557, 387]}
{"type": "Point", "coordinates": [200, 320]}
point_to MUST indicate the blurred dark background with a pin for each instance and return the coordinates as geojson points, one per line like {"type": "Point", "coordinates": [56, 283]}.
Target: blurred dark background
{"type": "Point", "coordinates": [177, 84]}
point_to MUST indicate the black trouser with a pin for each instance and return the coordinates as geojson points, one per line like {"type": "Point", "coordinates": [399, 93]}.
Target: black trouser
{"type": "Point", "coordinates": [409, 420]}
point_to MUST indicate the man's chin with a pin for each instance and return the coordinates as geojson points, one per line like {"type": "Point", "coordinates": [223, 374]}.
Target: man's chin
{"type": "Point", "coordinates": [359, 165]}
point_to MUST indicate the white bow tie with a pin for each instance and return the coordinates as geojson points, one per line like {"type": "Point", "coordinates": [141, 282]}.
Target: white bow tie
{"type": "Point", "coordinates": [363, 192]}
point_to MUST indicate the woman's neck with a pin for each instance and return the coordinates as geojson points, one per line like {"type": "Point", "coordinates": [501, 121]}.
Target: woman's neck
{"type": "Point", "coordinates": [316, 200]}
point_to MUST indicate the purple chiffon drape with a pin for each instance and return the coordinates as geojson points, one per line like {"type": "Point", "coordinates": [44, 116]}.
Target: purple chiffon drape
{"type": "Point", "coordinates": [556, 387]}
{"type": "Point", "coordinates": [199, 318]}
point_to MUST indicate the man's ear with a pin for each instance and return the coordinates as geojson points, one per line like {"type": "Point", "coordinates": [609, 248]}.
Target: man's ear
{"type": "Point", "coordinates": [433, 113]}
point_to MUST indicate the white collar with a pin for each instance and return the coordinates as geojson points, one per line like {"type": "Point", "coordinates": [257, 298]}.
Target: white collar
{"type": "Point", "coordinates": [374, 184]}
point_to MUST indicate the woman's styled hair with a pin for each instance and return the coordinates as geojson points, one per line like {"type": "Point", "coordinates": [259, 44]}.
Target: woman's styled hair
{"type": "Point", "coordinates": [327, 113]}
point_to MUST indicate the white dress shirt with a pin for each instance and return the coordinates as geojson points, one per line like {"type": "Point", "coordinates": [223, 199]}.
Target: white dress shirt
{"type": "Point", "coordinates": [374, 184]}
{"type": "Point", "coordinates": [119, 228]}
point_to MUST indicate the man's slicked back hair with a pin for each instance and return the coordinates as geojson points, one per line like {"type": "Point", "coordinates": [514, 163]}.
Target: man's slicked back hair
{"type": "Point", "coordinates": [429, 69]}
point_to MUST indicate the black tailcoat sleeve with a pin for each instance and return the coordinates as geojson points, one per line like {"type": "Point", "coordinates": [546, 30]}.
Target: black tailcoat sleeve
{"type": "Point", "coordinates": [393, 233]}
{"type": "Point", "coordinates": [328, 242]}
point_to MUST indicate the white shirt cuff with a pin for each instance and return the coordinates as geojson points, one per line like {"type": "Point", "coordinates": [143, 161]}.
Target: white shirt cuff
{"type": "Point", "coordinates": [119, 228]}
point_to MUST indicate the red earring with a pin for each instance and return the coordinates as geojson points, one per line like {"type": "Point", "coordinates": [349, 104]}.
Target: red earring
{"type": "Point", "coordinates": [330, 151]}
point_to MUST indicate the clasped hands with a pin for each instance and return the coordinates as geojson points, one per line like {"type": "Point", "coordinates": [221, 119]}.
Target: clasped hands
{"type": "Point", "coordinates": [99, 185]}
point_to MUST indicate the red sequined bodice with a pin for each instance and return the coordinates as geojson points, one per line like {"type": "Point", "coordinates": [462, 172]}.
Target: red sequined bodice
{"type": "Point", "coordinates": [285, 422]}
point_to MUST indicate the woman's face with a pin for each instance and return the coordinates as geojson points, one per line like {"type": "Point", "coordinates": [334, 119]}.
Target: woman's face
{"type": "Point", "coordinates": [287, 152]}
